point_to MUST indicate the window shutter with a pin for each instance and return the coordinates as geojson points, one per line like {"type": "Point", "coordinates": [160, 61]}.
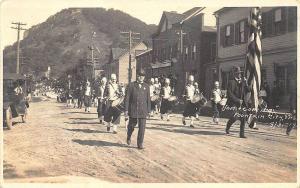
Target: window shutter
{"type": "Point", "coordinates": [231, 39]}
{"type": "Point", "coordinates": [222, 36]}
{"type": "Point", "coordinates": [283, 21]}
{"type": "Point", "coordinates": [246, 30]}
{"type": "Point", "coordinates": [237, 33]}
{"type": "Point", "coordinates": [264, 24]}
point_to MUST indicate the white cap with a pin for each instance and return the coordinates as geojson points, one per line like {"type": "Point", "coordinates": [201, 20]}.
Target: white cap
{"type": "Point", "coordinates": [156, 79]}
{"type": "Point", "coordinates": [217, 82]}
{"type": "Point", "coordinates": [152, 80]}
{"type": "Point", "coordinates": [104, 79]}
{"type": "Point", "coordinates": [167, 80]}
{"type": "Point", "coordinates": [191, 78]}
{"type": "Point", "coordinates": [196, 83]}
{"type": "Point", "coordinates": [113, 76]}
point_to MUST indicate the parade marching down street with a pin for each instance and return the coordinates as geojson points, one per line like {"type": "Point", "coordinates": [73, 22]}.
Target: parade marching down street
{"type": "Point", "coordinates": [135, 124]}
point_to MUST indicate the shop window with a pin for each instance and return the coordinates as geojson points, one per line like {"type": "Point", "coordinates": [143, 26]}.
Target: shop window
{"type": "Point", "coordinates": [194, 52]}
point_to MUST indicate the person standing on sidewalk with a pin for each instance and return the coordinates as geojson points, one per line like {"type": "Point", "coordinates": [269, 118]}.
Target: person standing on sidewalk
{"type": "Point", "coordinates": [137, 107]}
{"type": "Point", "coordinates": [88, 96]}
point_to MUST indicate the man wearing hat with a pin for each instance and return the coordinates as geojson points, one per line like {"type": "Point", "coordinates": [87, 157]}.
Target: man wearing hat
{"type": "Point", "coordinates": [137, 107]}
{"type": "Point", "coordinates": [235, 92]}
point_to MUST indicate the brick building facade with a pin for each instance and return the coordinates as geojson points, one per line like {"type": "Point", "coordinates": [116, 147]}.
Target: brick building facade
{"type": "Point", "coordinates": [192, 56]}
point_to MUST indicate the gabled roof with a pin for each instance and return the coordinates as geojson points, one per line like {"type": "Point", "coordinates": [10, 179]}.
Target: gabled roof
{"type": "Point", "coordinates": [117, 52]}
{"type": "Point", "coordinates": [174, 17]}
{"type": "Point", "coordinates": [209, 29]}
{"type": "Point", "coordinates": [191, 11]}
{"type": "Point", "coordinates": [223, 10]}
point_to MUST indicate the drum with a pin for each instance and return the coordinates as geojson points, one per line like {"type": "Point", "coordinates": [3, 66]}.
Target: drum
{"type": "Point", "coordinates": [223, 101]}
{"type": "Point", "coordinates": [196, 99]}
{"type": "Point", "coordinates": [118, 104]}
{"type": "Point", "coordinates": [154, 98]}
{"type": "Point", "coordinates": [172, 98]}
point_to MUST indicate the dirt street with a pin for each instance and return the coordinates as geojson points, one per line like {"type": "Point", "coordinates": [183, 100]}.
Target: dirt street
{"type": "Point", "coordinates": [57, 141]}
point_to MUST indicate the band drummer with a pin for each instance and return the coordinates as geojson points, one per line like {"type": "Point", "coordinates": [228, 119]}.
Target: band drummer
{"type": "Point", "coordinates": [112, 115]}
{"type": "Point", "coordinates": [166, 93]}
{"type": "Point", "coordinates": [190, 108]}
{"type": "Point", "coordinates": [101, 100]}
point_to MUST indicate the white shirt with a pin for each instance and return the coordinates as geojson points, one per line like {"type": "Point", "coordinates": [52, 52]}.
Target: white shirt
{"type": "Point", "coordinates": [167, 92]}
{"type": "Point", "coordinates": [88, 91]}
{"type": "Point", "coordinates": [113, 90]}
{"type": "Point", "coordinates": [190, 92]}
{"type": "Point", "coordinates": [217, 95]}
{"type": "Point", "coordinates": [152, 89]}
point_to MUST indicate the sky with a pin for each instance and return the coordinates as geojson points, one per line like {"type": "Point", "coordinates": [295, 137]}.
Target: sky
{"type": "Point", "coordinates": [33, 12]}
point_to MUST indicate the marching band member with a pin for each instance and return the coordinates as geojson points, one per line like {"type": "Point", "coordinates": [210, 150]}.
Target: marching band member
{"type": "Point", "coordinates": [190, 108]}
{"type": "Point", "coordinates": [137, 107]}
{"type": "Point", "coordinates": [215, 101]}
{"type": "Point", "coordinates": [152, 93]}
{"type": "Point", "coordinates": [88, 96]}
{"type": "Point", "coordinates": [112, 92]}
{"type": "Point", "coordinates": [166, 93]}
{"type": "Point", "coordinates": [101, 101]}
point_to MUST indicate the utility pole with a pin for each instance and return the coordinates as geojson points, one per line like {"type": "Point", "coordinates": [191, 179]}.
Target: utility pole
{"type": "Point", "coordinates": [130, 39]}
{"type": "Point", "coordinates": [91, 61]}
{"type": "Point", "coordinates": [19, 28]}
{"type": "Point", "coordinates": [181, 34]}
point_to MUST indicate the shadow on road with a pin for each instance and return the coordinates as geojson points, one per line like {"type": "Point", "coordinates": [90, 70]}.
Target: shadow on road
{"type": "Point", "coordinates": [84, 118]}
{"type": "Point", "coordinates": [76, 112]}
{"type": "Point", "coordinates": [98, 143]}
{"type": "Point", "coordinates": [86, 130]}
{"type": "Point", "coordinates": [82, 122]}
{"type": "Point", "coordinates": [185, 131]}
{"type": "Point", "coordinates": [36, 99]}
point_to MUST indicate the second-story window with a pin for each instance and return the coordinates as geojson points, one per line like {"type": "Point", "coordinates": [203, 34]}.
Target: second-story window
{"type": "Point", "coordinates": [242, 32]}
{"type": "Point", "coordinates": [227, 35]}
{"type": "Point", "coordinates": [194, 48]}
{"type": "Point", "coordinates": [186, 53]}
{"type": "Point", "coordinates": [277, 20]}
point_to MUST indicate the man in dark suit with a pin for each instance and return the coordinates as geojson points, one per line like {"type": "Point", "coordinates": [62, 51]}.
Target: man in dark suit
{"type": "Point", "coordinates": [137, 107]}
{"type": "Point", "coordinates": [235, 92]}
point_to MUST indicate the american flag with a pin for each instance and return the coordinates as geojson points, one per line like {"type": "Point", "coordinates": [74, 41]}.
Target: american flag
{"type": "Point", "coordinates": [253, 62]}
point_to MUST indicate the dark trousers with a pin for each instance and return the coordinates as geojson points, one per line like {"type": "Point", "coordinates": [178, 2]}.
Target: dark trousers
{"type": "Point", "coordinates": [233, 119]}
{"type": "Point", "coordinates": [142, 125]}
{"type": "Point", "coordinates": [216, 109]}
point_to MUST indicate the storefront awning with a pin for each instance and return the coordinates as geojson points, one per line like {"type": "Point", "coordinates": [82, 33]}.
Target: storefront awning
{"type": "Point", "coordinates": [160, 65]}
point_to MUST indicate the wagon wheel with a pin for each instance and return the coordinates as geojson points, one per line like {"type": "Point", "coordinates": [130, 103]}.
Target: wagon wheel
{"type": "Point", "coordinates": [8, 118]}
